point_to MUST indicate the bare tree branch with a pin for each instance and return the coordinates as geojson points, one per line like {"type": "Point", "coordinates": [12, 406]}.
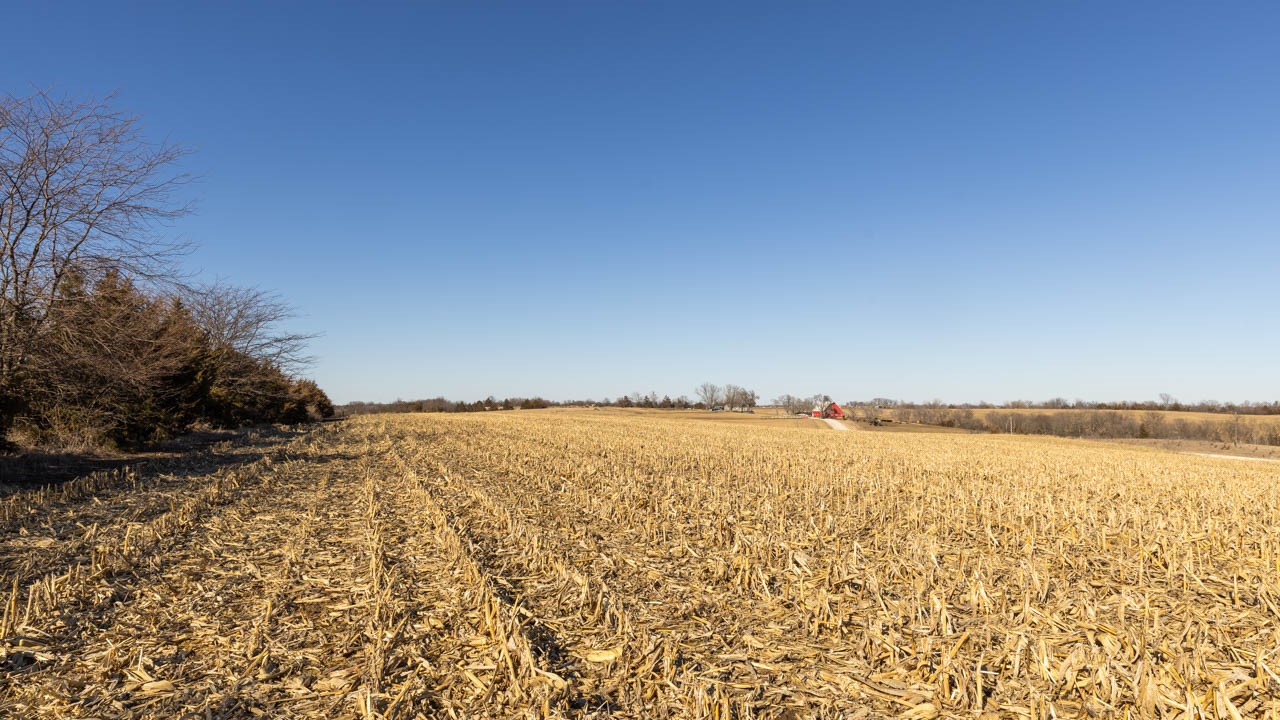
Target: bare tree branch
{"type": "Point", "coordinates": [247, 321]}
{"type": "Point", "coordinates": [81, 191]}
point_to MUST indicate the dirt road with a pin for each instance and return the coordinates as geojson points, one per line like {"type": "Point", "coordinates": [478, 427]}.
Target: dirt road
{"type": "Point", "coordinates": [836, 424]}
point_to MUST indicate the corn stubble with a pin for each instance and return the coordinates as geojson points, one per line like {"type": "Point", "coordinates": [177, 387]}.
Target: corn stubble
{"type": "Point", "coordinates": [577, 564]}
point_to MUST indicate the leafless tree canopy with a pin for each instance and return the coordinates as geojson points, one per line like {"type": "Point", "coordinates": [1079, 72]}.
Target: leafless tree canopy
{"type": "Point", "coordinates": [99, 339]}
{"type": "Point", "coordinates": [248, 321]}
{"type": "Point", "coordinates": [792, 404]}
{"type": "Point", "coordinates": [710, 394]}
{"type": "Point", "coordinates": [81, 191]}
{"type": "Point", "coordinates": [739, 398]}
{"type": "Point", "coordinates": [81, 188]}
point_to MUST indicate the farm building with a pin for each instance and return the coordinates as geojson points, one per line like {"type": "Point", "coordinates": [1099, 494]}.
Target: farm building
{"type": "Point", "coordinates": [828, 410]}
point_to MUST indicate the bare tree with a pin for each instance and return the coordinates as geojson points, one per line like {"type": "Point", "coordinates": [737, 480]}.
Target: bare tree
{"type": "Point", "coordinates": [1152, 424]}
{"type": "Point", "coordinates": [869, 411]}
{"type": "Point", "coordinates": [710, 394]}
{"type": "Point", "coordinates": [933, 412]}
{"type": "Point", "coordinates": [246, 322]}
{"type": "Point", "coordinates": [81, 191]}
{"type": "Point", "coordinates": [740, 398]}
{"type": "Point", "coordinates": [252, 358]}
{"type": "Point", "coordinates": [792, 404]}
{"type": "Point", "coordinates": [733, 396]}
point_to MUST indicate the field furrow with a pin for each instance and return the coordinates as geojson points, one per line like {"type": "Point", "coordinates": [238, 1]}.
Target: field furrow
{"type": "Point", "coordinates": [577, 628]}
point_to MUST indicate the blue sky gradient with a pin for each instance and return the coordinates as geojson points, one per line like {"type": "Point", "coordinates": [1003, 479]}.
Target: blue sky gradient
{"type": "Point", "coordinates": [970, 201]}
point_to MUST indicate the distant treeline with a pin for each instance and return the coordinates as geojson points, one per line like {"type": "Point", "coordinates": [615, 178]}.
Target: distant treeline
{"type": "Point", "coordinates": [1239, 422]}
{"type": "Point", "coordinates": [101, 343]}
{"type": "Point", "coordinates": [443, 405]}
{"type": "Point", "coordinates": [439, 405]}
{"type": "Point", "coordinates": [1166, 403]}
{"type": "Point", "coordinates": [1236, 428]}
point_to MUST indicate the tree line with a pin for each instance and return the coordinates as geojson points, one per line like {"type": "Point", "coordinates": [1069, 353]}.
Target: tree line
{"type": "Point", "coordinates": [710, 396]}
{"type": "Point", "coordinates": [101, 340]}
{"type": "Point", "coordinates": [441, 405]}
{"type": "Point", "coordinates": [1166, 403]}
{"type": "Point", "coordinates": [489, 404]}
{"type": "Point", "coordinates": [1154, 424]}
{"type": "Point", "coordinates": [728, 397]}
{"type": "Point", "coordinates": [1073, 422]}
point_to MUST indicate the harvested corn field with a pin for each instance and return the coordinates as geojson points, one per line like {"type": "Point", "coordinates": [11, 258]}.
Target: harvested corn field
{"type": "Point", "coordinates": [590, 564]}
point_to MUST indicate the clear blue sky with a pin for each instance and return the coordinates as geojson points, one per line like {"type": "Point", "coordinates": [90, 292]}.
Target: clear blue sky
{"type": "Point", "coordinates": [906, 199]}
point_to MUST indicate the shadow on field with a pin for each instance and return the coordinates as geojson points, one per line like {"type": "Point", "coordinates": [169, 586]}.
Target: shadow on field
{"type": "Point", "coordinates": [31, 470]}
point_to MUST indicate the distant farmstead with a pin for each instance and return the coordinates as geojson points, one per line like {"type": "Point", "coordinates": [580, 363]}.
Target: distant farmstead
{"type": "Point", "coordinates": [828, 410]}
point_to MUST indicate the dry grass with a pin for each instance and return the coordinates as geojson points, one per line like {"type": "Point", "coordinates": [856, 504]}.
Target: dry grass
{"type": "Point", "coordinates": [603, 564]}
{"type": "Point", "coordinates": [1210, 447]}
{"type": "Point", "coordinates": [1168, 415]}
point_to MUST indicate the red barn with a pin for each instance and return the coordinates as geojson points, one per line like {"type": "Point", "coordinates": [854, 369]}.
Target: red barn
{"type": "Point", "coordinates": [829, 410]}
